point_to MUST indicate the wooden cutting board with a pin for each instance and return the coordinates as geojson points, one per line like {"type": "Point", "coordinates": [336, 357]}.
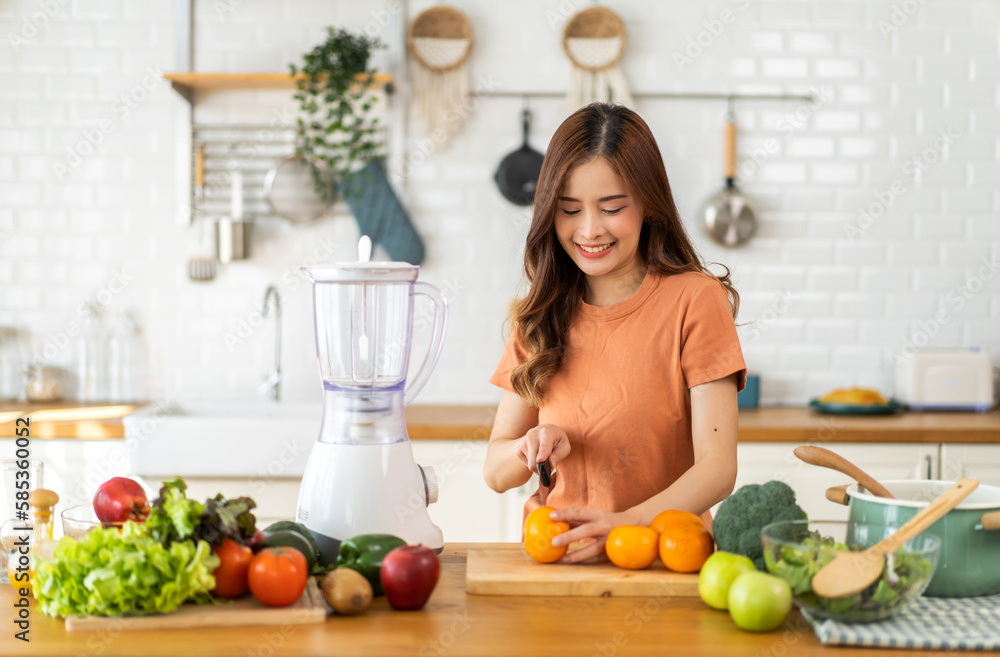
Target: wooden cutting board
{"type": "Point", "coordinates": [505, 569]}
{"type": "Point", "coordinates": [310, 608]}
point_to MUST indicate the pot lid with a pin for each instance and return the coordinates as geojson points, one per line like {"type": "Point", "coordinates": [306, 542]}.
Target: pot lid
{"type": "Point", "coordinates": [917, 493]}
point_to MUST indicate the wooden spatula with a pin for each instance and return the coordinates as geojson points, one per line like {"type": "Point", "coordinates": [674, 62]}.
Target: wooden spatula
{"type": "Point", "coordinates": [824, 458]}
{"type": "Point", "coordinates": [853, 572]}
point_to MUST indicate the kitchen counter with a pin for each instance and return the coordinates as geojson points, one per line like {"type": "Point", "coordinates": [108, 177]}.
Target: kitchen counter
{"type": "Point", "coordinates": [802, 425]}
{"type": "Point", "coordinates": [455, 623]}
{"type": "Point", "coordinates": [87, 421]}
{"type": "Point", "coordinates": [471, 422]}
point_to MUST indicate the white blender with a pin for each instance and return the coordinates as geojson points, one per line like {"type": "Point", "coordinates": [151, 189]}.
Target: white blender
{"type": "Point", "coordinates": [361, 477]}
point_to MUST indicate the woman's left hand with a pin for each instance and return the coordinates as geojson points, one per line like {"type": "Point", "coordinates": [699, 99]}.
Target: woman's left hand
{"type": "Point", "coordinates": [587, 524]}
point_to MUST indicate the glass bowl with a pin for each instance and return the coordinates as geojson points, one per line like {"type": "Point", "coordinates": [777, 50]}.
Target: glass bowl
{"type": "Point", "coordinates": [795, 550]}
{"type": "Point", "coordinates": [80, 519]}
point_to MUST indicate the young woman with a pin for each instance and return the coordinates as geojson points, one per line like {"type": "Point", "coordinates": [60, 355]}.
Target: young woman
{"type": "Point", "coordinates": [623, 363]}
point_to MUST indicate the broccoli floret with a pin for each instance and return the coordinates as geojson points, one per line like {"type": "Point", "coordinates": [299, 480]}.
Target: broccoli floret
{"type": "Point", "coordinates": [744, 513]}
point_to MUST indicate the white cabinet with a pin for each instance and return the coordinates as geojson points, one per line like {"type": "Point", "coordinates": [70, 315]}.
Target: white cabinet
{"type": "Point", "coordinates": [277, 499]}
{"type": "Point", "coordinates": [515, 500]}
{"type": "Point", "coordinates": [75, 468]}
{"type": "Point", "coordinates": [467, 509]}
{"type": "Point", "coordinates": [979, 461]}
{"type": "Point", "coordinates": [762, 462]}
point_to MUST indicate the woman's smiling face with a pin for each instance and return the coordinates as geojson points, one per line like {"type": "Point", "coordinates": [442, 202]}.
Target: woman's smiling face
{"type": "Point", "coordinates": [597, 222]}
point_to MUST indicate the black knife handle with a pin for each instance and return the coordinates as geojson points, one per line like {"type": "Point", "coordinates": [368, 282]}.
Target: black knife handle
{"type": "Point", "coordinates": [545, 473]}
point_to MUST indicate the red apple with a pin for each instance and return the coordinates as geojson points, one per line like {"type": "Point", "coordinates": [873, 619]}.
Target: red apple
{"type": "Point", "coordinates": [120, 499]}
{"type": "Point", "coordinates": [409, 573]}
{"type": "Point", "coordinates": [254, 541]}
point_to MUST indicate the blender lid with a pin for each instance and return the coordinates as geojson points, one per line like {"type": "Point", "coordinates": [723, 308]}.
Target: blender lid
{"type": "Point", "coordinates": [362, 271]}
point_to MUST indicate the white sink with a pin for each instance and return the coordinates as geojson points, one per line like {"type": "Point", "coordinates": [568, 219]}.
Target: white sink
{"type": "Point", "coordinates": [203, 439]}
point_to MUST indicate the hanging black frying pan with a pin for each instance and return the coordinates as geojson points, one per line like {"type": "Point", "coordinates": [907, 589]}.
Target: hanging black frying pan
{"type": "Point", "coordinates": [517, 174]}
{"type": "Point", "coordinates": [729, 217]}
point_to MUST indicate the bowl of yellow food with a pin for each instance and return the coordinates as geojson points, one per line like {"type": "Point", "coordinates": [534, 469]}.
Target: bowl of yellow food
{"type": "Point", "coordinates": [855, 401]}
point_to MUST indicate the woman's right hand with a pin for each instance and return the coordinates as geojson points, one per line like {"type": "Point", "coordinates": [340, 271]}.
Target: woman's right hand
{"type": "Point", "coordinates": [546, 441]}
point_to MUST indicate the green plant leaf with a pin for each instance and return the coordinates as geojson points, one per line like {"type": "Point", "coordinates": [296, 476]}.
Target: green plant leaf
{"type": "Point", "coordinates": [339, 110]}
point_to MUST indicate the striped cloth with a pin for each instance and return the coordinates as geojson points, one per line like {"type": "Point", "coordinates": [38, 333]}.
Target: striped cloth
{"type": "Point", "coordinates": [927, 623]}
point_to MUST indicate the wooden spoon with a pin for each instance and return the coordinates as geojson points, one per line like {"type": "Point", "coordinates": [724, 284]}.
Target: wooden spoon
{"type": "Point", "coordinates": [853, 572]}
{"type": "Point", "coordinates": [827, 459]}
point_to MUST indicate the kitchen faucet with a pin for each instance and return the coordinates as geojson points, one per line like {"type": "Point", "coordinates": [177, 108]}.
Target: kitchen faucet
{"type": "Point", "coordinates": [272, 385]}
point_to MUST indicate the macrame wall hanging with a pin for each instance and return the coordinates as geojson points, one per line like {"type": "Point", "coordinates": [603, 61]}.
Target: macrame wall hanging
{"type": "Point", "coordinates": [440, 41]}
{"type": "Point", "coordinates": [595, 40]}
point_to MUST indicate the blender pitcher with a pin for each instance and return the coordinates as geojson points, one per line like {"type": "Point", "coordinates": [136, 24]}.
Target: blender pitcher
{"type": "Point", "coordinates": [361, 477]}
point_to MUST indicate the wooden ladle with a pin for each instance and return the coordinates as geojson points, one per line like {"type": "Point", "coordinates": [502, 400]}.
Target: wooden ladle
{"type": "Point", "coordinates": [827, 459]}
{"type": "Point", "coordinates": [853, 572]}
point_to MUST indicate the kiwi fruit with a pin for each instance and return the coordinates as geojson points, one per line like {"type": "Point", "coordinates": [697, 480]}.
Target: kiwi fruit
{"type": "Point", "coordinates": [346, 591]}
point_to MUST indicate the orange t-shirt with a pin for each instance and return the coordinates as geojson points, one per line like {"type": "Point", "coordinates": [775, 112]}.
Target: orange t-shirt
{"type": "Point", "coordinates": [621, 391]}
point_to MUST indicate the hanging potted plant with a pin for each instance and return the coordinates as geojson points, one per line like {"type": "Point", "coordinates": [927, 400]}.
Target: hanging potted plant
{"type": "Point", "coordinates": [338, 139]}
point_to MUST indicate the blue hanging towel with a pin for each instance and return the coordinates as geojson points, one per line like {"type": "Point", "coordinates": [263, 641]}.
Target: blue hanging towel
{"type": "Point", "coordinates": [380, 215]}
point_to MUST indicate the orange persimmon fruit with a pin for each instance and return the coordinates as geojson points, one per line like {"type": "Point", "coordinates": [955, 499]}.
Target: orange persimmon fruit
{"type": "Point", "coordinates": [673, 518]}
{"type": "Point", "coordinates": [685, 543]}
{"type": "Point", "coordinates": [631, 546]}
{"type": "Point", "coordinates": [539, 530]}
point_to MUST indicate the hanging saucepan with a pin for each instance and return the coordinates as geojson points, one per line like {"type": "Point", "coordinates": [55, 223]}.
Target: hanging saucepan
{"type": "Point", "coordinates": [969, 564]}
{"type": "Point", "coordinates": [517, 174]}
{"type": "Point", "coordinates": [730, 217]}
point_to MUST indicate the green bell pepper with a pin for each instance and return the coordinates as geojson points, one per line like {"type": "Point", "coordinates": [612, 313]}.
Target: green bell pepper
{"type": "Point", "coordinates": [364, 554]}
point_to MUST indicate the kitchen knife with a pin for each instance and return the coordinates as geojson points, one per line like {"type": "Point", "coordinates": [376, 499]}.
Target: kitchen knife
{"type": "Point", "coordinates": [545, 472]}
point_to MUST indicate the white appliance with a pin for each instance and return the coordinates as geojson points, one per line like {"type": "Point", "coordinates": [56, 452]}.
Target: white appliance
{"type": "Point", "coordinates": [361, 477]}
{"type": "Point", "coordinates": [947, 379]}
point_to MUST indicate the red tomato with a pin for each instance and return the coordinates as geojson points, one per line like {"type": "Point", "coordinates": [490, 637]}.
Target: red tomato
{"type": "Point", "coordinates": [231, 575]}
{"type": "Point", "coordinates": [278, 576]}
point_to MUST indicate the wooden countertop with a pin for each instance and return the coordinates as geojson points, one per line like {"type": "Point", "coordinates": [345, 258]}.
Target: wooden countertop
{"type": "Point", "coordinates": [474, 422]}
{"type": "Point", "coordinates": [793, 425]}
{"type": "Point", "coordinates": [455, 623]}
{"type": "Point", "coordinates": [87, 421]}
{"type": "Point", "coordinates": [802, 425]}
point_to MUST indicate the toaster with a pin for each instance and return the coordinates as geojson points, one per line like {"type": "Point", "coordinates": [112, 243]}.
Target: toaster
{"type": "Point", "coordinates": [946, 379]}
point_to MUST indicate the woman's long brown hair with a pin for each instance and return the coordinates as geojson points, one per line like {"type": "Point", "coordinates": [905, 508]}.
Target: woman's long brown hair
{"type": "Point", "coordinates": [542, 319]}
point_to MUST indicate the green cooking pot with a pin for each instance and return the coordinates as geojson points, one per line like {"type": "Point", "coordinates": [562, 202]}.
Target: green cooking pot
{"type": "Point", "coordinates": [969, 564]}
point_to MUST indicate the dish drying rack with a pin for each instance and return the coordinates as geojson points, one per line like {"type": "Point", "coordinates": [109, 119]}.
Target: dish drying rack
{"type": "Point", "coordinates": [253, 149]}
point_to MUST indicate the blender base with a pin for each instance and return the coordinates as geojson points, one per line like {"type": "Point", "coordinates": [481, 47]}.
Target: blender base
{"type": "Point", "coordinates": [351, 489]}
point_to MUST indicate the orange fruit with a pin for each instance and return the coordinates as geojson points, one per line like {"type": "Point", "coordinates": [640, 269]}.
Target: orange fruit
{"type": "Point", "coordinates": [685, 545]}
{"type": "Point", "coordinates": [539, 530]}
{"type": "Point", "coordinates": [631, 546]}
{"type": "Point", "coordinates": [674, 517]}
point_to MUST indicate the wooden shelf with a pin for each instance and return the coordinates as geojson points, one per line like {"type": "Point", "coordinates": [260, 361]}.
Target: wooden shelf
{"type": "Point", "coordinates": [187, 83]}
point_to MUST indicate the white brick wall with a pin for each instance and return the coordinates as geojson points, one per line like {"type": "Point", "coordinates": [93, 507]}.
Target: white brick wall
{"type": "Point", "coordinates": [856, 296]}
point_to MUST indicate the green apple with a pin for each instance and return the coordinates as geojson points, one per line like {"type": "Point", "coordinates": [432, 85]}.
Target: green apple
{"type": "Point", "coordinates": [717, 574]}
{"type": "Point", "coordinates": [759, 602]}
